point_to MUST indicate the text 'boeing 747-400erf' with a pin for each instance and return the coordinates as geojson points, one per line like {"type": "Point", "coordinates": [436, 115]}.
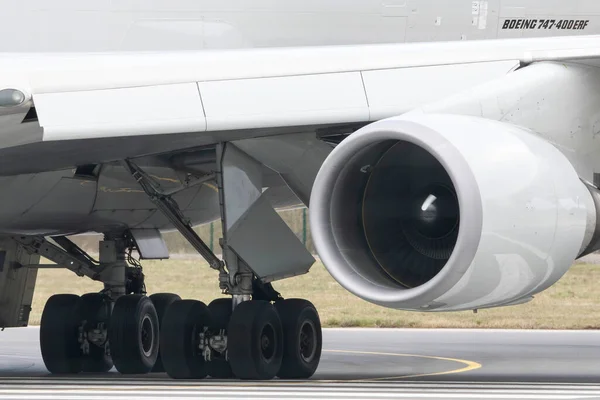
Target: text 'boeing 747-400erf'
{"type": "Point", "coordinates": [448, 151]}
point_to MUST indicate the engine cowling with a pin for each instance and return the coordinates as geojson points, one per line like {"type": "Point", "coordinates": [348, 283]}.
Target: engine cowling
{"type": "Point", "coordinates": [447, 212]}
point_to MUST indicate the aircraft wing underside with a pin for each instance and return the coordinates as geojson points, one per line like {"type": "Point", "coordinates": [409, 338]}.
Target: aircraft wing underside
{"type": "Point", "coordinates": [88, 108]}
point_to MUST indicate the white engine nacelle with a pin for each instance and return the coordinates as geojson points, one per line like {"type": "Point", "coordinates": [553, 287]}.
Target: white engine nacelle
{"type": "Point", "coordinates": [445, 212]}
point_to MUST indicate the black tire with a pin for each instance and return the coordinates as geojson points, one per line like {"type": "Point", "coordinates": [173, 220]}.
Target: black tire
{"type": "Point", "coordinates": [184, 321]}
{"type": "Point", "coordinates": [94, 308]}
{"type": "Point", "coordinates": [59, 335]}
{"type": "Point", "coordinates": [255, 340]}
{"type": "Point", "coordinates": [303, 338]}
{"type": "Point", "coordinates": [161, 302]}
{"type": "Point", "coordinates": [133, 334]}
{"type": "Point", "coordinates": [220, 310]}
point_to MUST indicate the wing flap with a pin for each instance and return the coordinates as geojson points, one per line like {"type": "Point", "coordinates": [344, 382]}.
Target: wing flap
{"type": "Point", "coordinates": [284, 101]}
{"type": "Point", "coordinates": [121, 112]}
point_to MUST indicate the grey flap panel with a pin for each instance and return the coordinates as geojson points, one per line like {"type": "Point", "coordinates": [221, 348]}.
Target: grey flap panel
{"type": "Point", "coordinates": [150, 243]}
{"type": "Point", "coordinates": [267, 245]}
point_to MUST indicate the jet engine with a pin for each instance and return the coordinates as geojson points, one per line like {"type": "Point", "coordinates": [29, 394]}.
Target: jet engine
{"type": "Point", "coordinates": [446, 212]}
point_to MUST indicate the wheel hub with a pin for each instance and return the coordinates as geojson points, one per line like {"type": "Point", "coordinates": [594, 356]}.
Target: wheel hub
{"type": "Point", "coordinates": [308, 341]}
{"type": "Point", "coordinates": [147, 335]}
{"type": "Point", "coordinates": [268, 342]}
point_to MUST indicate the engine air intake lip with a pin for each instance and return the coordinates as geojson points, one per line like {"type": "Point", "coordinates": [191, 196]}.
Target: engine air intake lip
{"type": "Point", "coordinates": [343, 213]}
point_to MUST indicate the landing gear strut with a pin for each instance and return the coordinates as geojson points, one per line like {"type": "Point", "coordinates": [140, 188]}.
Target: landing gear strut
{"type": "Point", "coordinates": [245, 336]}
{"type": "Point", "coordinates": [118, 326]}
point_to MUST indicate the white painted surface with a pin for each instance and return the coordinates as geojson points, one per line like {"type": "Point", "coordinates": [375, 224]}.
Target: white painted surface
{"type": "Point", "coordinates": [363, 389]}
{"type": "Point", "coordinates": [533, 219]}
{"type": "Point", "coordinates": [558, 101]}
{"type": "Point", "coordinates": [284, 101]}
{"type": "Point", "coordinates": [396, 91]}
{"type": "Point", "coordinates": [120, 112]}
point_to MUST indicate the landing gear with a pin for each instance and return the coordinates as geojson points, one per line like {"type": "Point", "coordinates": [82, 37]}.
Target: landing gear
{"type": "Point", "coordinates": [244, 336]}
{"type": "Point", "coordinates": [119, 325]}
{"type": "Point", "coordinates": [257, 340]}
{"type": "Point", "coordinates": [73, 334]}
{"type": "Point", "coordinates": [254, 334]}
{"type": "Point", "coordinates": [80, 334]}
{"type": "Point", "coordinates": [134, 334]}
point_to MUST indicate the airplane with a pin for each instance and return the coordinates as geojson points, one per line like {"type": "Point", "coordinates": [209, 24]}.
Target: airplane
{"type": "Point", "coordinates": [447, 152]}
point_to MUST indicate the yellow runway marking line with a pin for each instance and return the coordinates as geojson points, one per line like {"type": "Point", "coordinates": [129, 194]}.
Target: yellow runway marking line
{"type": "Point", "coordinates": [469, 365]}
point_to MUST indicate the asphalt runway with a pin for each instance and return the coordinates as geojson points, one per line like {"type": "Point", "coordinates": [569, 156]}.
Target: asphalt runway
{"type": "Point", "coordinates": [356, 363]}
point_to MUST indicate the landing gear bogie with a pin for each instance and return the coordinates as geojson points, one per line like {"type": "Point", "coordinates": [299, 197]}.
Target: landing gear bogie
{"type": "Point", "coordinates": [73, 334]}
{"type": "Point", "coordinates": [255, 341]}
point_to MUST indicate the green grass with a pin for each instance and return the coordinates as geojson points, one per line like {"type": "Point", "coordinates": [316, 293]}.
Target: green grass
{"type": "Point", "coordinates": [573, 303]}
